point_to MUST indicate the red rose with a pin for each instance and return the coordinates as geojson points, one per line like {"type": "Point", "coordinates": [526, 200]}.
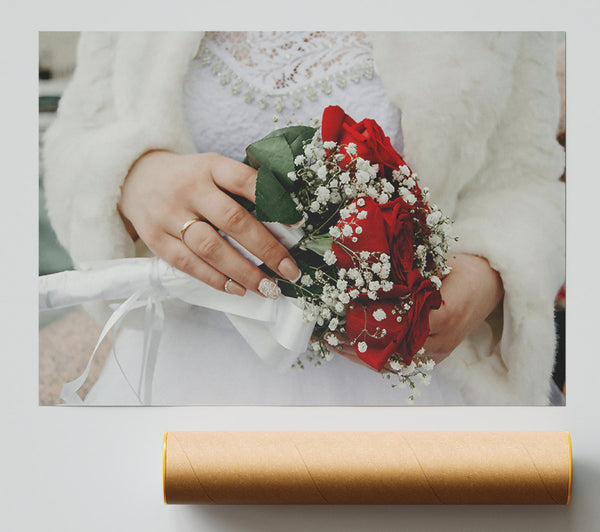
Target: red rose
{"type": "Point", "coordinates": [398, 220]}
{"type": "Point", "coordinates": [371, 142]}
{"type": "Point", "coordinates": [388, 229]}
{"type": "Point", "coordinates": [425, 298]}
{"type": "Point", "coordinates": [364, 323]}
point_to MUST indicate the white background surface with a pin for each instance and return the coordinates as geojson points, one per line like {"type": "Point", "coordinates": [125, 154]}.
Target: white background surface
{"type": "Point", "coordinates": [97, 469]}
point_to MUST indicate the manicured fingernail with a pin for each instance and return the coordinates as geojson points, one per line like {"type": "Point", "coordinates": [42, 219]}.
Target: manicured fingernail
{"type": "Point", "coordinates": [232, 287]}
{"type": "Point", "coordinates": [289, 270]}
{"type": "Point", "coordinates": [269, 289]}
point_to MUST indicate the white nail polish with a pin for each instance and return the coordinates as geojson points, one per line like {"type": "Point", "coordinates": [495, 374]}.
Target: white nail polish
{"type": "Point", "coordinates": [269, 289]}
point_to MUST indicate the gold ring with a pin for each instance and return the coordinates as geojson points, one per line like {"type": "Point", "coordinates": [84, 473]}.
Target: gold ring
{"type": "Point", "coordinates": [185, 227]}
{"type": "Point", "coordinates": [230, 280]}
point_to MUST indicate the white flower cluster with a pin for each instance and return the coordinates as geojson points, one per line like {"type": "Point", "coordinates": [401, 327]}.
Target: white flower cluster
{"type": "Point", "coordinates": [412, 375]}
{"type": "Point", "coordinates": [327, 183]}
{"type": "Point", "coordinates": [439, 228]}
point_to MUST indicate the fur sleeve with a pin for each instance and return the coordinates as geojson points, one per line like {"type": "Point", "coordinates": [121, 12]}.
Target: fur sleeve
{"type": "Point", "coordinates": [124, 100]}
{"type": "Point", "coordinates": [480, 113]}
{"type": "Point", "coordinates": [513, 213]}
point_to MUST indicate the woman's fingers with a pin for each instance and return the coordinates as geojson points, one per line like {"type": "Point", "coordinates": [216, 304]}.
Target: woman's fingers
{"type": "Point", "coordinates": [234, 176]}
{"type": "Point", "coordinates": [231, 218]}
{"type": "Point", "coordinates": [206, 244]}
{"type": "Point", "coordinates": [183, 259]}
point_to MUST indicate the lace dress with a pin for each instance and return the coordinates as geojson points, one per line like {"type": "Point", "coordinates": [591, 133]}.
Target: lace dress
{"type": "Point", "coordinates": [240, 86]}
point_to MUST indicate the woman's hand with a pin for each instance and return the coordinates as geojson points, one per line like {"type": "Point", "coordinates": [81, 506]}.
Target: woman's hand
{"type": "Point", "coordinates": [470, 292]}
{"type": "Point", "coordinates": [164, 190]}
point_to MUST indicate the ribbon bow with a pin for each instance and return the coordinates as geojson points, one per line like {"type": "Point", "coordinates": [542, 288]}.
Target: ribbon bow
{"type": "Point", "coordinates": [275, 329]}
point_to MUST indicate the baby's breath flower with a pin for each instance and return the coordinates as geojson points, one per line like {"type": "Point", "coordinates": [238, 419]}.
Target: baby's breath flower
{"type": "Point", "coordinates": [429, 365]}
{"type": "Point", "coordinates": [323, 194]}
{"type": "Point", "coordinates": [306, 280]}
{"type": "Point", "coordinates": [374, 285]}
{"type": "Point", "coordinates": [385, 270]}
{"type": "Point", "coordinates": [386, 286]}
{"type": "Point", "coordinates": [329, 257]}
{"type": "Point", "coordinates": [433, 218]}
{"type": "Point", "coordinates": [436, 281]}
{"type": "Point", "coordinates": [335, 232]}
{"type": "Point", "coordinates": [362, 177]}
{"type": "Point", "coordinates": [435, 239]}
{"type": "Point", "coordinates": [332, 340]}
{"type": "Point", "coordinates": [379, 314]}
{"type": "Point", "coordinates": [335, 197]}
{"type": "Point", "coordinates": [408, 196]}
{"type": "Point", "coordinates": [395, 365]}
{"type": "Point", "coordinates": [388, 188]}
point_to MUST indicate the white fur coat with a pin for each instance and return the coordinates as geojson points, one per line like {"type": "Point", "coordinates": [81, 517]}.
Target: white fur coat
{"type": "Point", "coordinates": [479, 117]}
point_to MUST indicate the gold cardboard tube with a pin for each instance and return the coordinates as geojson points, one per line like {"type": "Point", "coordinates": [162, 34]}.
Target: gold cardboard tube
{"type": "Point", "coordinates": [367, 467]}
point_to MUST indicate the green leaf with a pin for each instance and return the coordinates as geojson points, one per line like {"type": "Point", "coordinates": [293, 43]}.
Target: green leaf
{"type": "Point", "coordinates": [275, 154]}
{"type": "Point", "coordinates": [295, 136]}
{"type": "Point", "coordinates": [273, 201]}
{"type": "Point", "coordinates": [319, 245]}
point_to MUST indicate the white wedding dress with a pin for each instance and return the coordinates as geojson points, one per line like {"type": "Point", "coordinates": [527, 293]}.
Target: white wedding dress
{"type": "Point", "coordinates": [240, 87]}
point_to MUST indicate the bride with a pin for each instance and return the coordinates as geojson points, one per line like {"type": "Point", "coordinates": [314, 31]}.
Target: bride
{"type": "Point", "coordinates": [148, 139]}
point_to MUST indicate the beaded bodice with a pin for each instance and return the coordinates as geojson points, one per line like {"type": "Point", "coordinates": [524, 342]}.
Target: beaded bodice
{"type": "Point", "coordinates": [242, 85]}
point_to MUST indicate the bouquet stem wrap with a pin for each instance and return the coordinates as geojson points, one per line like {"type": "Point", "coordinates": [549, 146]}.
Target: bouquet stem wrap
{"type": "Point", "coordinates": [276, 330]}
{"type": "Point", "coordinates": [367, 467]}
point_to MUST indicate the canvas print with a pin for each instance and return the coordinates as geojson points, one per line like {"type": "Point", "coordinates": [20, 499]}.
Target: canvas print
{"type": "Point", "coordinates": [302, 218]}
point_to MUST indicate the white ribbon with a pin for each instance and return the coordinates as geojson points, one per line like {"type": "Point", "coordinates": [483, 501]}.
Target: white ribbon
{"type": "Point", "coordinates": [274, 329]}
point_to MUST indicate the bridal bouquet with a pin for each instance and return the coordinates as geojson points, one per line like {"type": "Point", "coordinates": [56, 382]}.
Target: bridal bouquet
{"type": "Point", "coordinates": [369, 245]}
{"type": "Point", "coordinates": [373, 250]}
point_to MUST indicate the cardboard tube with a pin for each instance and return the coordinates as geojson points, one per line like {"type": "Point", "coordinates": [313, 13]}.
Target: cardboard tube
{"type": "Point", "coordinates": [367, 467]}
